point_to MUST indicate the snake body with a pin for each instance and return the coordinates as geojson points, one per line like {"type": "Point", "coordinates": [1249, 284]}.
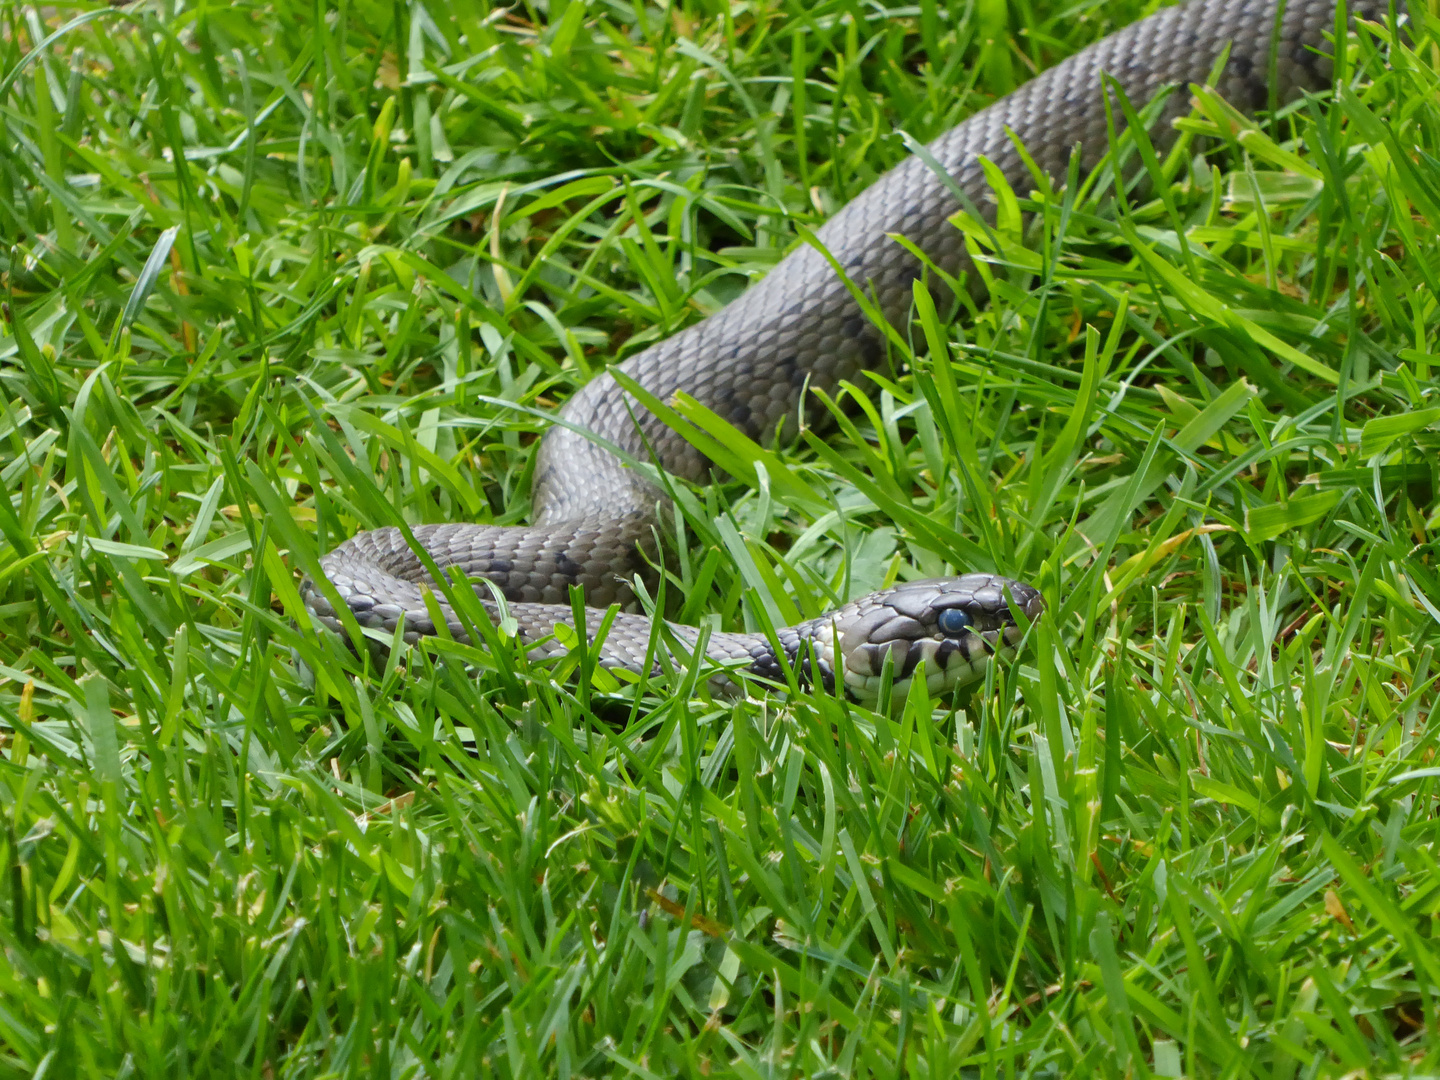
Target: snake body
{"type": "Point", "coordinates": [594, 518]}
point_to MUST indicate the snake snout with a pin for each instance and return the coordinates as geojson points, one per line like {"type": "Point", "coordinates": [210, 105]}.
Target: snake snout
{"type": "Point", "coordinates": [1028, 598]}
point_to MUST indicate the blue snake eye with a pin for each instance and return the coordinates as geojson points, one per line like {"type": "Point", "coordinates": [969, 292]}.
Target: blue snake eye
{"type": "Point", "coordinates": [952, 622]}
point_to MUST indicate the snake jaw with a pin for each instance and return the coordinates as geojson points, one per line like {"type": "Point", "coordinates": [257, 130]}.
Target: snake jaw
{"type": "Point", "coordinates": [958, 667]}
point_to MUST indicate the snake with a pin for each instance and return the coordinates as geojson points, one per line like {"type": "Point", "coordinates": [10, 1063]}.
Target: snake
{"type": "Point", "coordinates": [595, 518]}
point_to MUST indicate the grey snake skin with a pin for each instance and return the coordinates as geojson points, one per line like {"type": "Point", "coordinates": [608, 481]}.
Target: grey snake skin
{"type": "Point", "coordinates": [594, 518]}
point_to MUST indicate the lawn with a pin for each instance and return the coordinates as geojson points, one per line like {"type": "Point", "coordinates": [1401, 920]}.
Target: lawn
{"type": "Point", "coordinates": [277, 272]}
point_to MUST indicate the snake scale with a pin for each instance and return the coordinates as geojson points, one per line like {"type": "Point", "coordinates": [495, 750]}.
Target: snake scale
{"type": "Point", "coordinates": [594, 519]}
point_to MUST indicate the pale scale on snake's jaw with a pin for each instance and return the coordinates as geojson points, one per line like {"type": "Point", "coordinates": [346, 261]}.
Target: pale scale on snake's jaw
{"type": "Point", "coordinates": [594, 519]}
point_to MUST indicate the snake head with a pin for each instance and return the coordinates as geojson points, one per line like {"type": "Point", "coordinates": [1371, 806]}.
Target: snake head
{"type": "Point", "coordinates": [954, 624]}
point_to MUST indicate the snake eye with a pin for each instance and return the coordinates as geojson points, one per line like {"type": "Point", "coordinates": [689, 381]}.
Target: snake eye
{"type": "Point", "coordinates": [952, 622]}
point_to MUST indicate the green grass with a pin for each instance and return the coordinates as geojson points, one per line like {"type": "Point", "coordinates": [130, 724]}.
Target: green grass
{"type": "Point", "coordinates": [271, 279]}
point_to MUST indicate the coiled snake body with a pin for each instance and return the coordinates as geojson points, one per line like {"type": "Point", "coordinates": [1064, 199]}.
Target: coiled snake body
{"type": "Point", "coordinates": [594, 518]}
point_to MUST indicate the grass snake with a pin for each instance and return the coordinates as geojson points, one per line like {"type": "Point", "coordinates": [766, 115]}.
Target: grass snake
{"type": "Point", "coordinates": [594, 519]}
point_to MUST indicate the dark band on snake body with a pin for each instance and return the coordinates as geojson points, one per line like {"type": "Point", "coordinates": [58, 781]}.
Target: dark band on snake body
{"type": "Point", "coordinates": [594, 518]}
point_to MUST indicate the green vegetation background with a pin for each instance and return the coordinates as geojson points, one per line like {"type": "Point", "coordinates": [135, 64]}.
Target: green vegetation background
{"type": "Point", "coordinates": [275, 272]}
